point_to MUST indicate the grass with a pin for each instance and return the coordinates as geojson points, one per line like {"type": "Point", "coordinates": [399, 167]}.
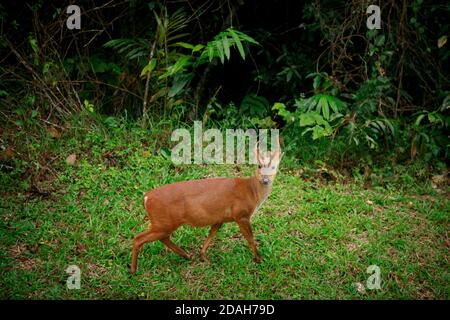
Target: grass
{"type": "Point", "coordinates": [316, 238]}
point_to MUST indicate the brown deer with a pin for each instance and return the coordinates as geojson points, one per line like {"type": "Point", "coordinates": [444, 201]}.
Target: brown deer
{"type": "Point", "coordinates": [208, 202]}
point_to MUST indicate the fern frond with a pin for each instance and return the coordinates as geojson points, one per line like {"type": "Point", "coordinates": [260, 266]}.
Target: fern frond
{"type": "Point", "coordinates": [220, 46]}
{"type": "Point", "coordinates": [132, 48]}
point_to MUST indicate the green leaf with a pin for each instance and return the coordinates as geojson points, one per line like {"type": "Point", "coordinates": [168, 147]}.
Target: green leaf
{"type": "Point", "coordinates": [165, 152]}
{"type": "Point", "coordinates": [238, 42]}
{"type": "Point", "coordinates": [255, 105]}
{"type": "Point", "coordinates": [149, 67]}
{"type": "Point", "coordinates": [282, 112]}
{"type": "Point", "coordinates": [210, 52]}
{"type": "Point", "coordinates": [313, 103]}
{"type": "Point", "coordinates": [178, 84]}
{"type": "Point", "coordinates": [318, 132]}
{"type": "Point", "coordinates": [371, 142]}
{"type": "Point", "coordinates": [245, 37]}
{"type": "Point", "coordinates": [226, 47]}
{"type": "Point", "coordinates": [308, 119]}
{"type": "Point", "coordinates": [179, 66]}
{"type": "Point", "coordinates": [335, 116]}
{"type": "Point", "coordinates": [185, 45]}
{"type": "Point", "coordinates": [34, 45]}
{"type": "Point", "coordinates": [419, 119]}
{"type": "Point", "coordinates": [177, 36]}
{"type": "Point", "coordinates": [89, 106]}
{"type": "Point", "coordinates": [333, 102]}
{"type": "Point", "coordinates": [436, 118]}
{"type": "Point", "coordinates": [390, 126]}
{"type": "Point", "coordinates": [289, 75]}
{"type": "Point", "coordinates": [220, 51]}
{"type": "Point", "coordinates": [198, 47]}
{"type": "Point", "coordinates": [325, 109]}
{"type": "Point", "coordinates": [379, 41]}
{"type": "Point", "coordinates": [316, 82]}
{"type": "Point", "coordinates": [114, 68]}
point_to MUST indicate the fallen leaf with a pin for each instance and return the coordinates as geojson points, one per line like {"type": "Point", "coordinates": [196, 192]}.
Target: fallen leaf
{"type": "Point", "coordinates": [71, 159]}
{"type": "Point", "coordinates": [360, 288]}
{"type": "Point", "coordinates": [9, 152]}
{"type": "Point", "coordinates": [147, 154]}
{"type": "Point", "coordinates": [54, 133]}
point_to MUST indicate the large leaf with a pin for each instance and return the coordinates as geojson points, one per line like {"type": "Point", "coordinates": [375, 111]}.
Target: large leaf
{"type": "Point", "coordinates": [324, 105]}
{"type": "Point", "coordinates": [185, 45]}
{"type": "Point", "coordinates": [179, 83]}
{"type": "Point", "coordinates": [149, 67]}
{"type": "Point", "coordinates": [238, 42]}
{"type": "Point", "coordinates": [226, 47]}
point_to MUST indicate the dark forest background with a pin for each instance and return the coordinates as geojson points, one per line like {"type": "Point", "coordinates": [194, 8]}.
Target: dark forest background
{"type": "Point", "coordinates": [341, 93]}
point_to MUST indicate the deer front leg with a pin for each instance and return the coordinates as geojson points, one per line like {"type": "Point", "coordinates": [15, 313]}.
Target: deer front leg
{"type": "Point", "coordinates": [246, 229]}
{"type": "Point", "coordinates": [212, 233]}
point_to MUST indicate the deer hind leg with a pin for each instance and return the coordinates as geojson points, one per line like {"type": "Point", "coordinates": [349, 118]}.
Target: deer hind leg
{"type": "Point", "coordinates": [140, 240]}
{"type": "Point", "coordinates": [246, 230]}
{"type": "Point", "coordinates": [212, 233]}
{"type": "Point", "coordinates": [172, 246]}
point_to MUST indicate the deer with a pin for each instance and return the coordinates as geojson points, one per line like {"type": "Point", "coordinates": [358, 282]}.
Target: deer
{"type": "Point", "coordinates": [208, 202]}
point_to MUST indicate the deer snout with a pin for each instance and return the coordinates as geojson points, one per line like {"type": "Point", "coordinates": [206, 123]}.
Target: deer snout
{"type": "Point", "coordinates": [265, 180]}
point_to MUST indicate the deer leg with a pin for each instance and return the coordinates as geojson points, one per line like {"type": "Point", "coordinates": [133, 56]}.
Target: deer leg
{"type": "Point", "coordinates": [246, 229]}
{"type": "Point", "coordinates": [212, 233]}
{"type": "Point", "coordinates": [138, 242]}
{"type": "Point", "coordinates": [172, 246]}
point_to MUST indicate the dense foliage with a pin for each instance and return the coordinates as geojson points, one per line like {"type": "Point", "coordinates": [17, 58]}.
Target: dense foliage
{"type": "Point", "coordinates": [341, 92]}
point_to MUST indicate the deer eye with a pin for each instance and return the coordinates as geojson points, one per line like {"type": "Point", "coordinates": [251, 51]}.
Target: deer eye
{"type": "Point", "coordinates": [273, 168]}
{"type": "Point", "coordinates": [259, 166]}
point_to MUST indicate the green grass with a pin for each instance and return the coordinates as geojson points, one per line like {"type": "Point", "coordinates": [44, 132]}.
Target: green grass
{"type": "Point", "coordinates": [316, 238]}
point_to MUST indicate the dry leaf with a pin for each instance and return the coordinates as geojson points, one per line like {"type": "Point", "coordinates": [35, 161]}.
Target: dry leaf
{"type": "Point", "coordinates": [442, 41]}
{"type": "Point", "coordinates": [54, 133]}
{"type": "Point", "coordinates": [360, 288]}
{"type": "Point", "coordinates": [71, 159]}
{"type": "Point", "coordinates": [9, 152]}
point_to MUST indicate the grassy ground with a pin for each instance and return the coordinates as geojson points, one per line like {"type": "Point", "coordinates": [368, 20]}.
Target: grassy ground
{"type": "Point", "coordinates": [316, 238]}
